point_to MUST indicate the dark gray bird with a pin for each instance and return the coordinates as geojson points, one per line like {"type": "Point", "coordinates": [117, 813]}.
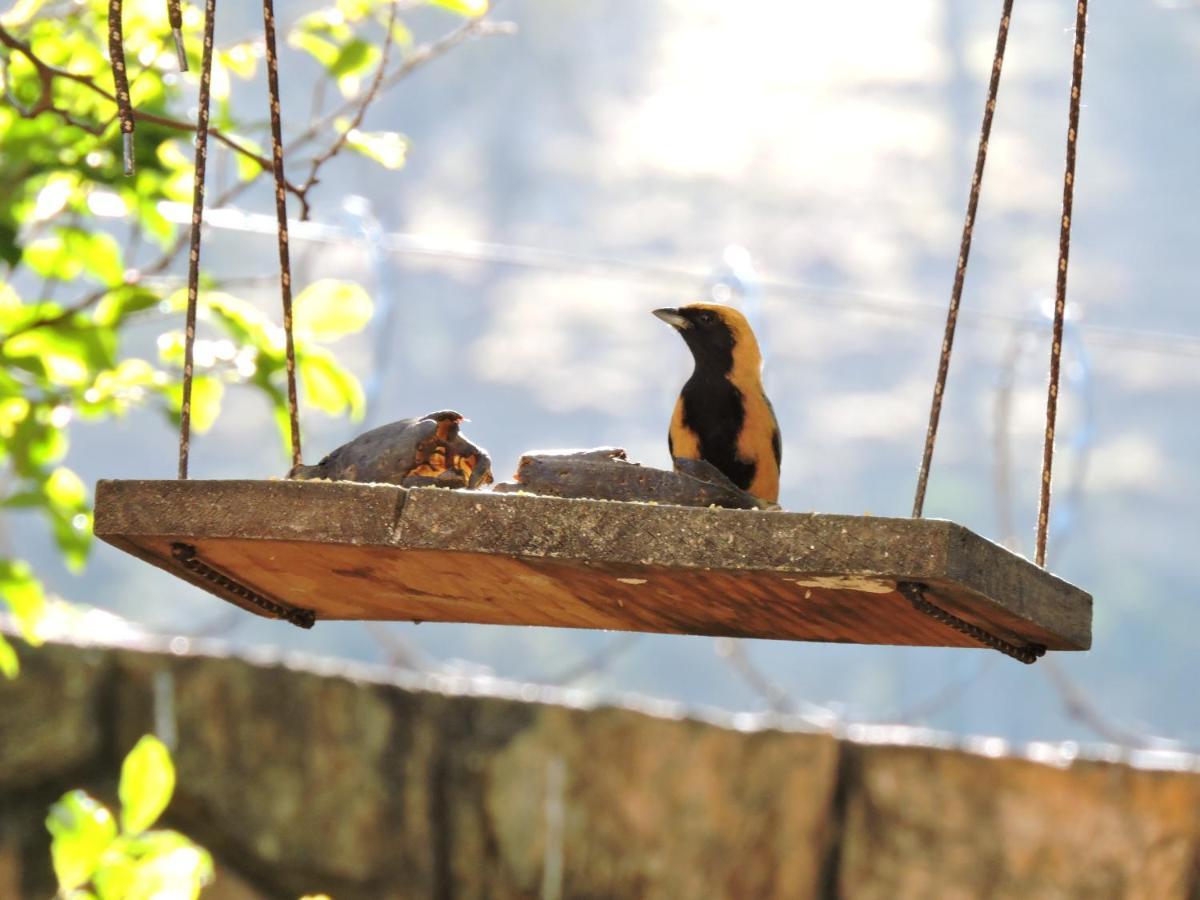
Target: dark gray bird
{"type": "Point", "coordinates": [429, 450]}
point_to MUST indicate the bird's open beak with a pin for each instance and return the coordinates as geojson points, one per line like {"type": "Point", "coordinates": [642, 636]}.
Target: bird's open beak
{"type": "Point", "coordinates": [673, 318]}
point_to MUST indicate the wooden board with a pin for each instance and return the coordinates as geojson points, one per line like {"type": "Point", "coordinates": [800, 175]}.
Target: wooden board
{"type": "Point", "coordinates": [379, 552]}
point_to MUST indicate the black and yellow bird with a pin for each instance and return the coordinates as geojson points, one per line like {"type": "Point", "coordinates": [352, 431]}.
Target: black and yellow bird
{"type": "Point", "coordinates": [723, 415]}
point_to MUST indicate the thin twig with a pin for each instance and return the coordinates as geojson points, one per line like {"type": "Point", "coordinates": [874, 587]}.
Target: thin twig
{"type": "Point", "coordinates": [419, 57]}
{"type": "Point", "coordinates": [733, 652]}
{"type": "Point", "coordinates": [367, 99]}
{"type": "Point", "coordinates": [133, 277]}
{"type": "Point", "coordinates": [596, 663]}
{"type": "Point", "coordinates": [47, 73]}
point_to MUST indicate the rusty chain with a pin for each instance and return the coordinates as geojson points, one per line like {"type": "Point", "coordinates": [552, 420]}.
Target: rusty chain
{"type": "Point", "coordinates": [964, 252]}
{"type": "Point", "coordinates": [285, 269]}
{"type": "Point", "coordinates": [185, 555]}
{"type": "Point", "coordinates": [1060, 287]}
{"type": "Point", "coordinates": [175, 17]}
{"type": "Point", "coordinates": [116, 56]}
{"type": "Point", "coordinates": [193, 284]}
{"type": "Point", "coordinates": [915, 593]}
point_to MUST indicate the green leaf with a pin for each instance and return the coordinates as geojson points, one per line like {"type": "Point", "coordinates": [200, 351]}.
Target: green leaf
{"type": "Point", "coordinates": [247, 168]}
{"type": "Point", "coordinates": [69, 252]}
{"type": "Point", "coordinates": [49, 257]}
{"type": "Point", "coordinates": [147, 782]}
{"type": "Point", "coordinates": [240, 59]}
{"type": "Point", "coordinates": [329, 387]}
{"type": "Point", "coordinates": [469, 8]}
{"type": "Point", "coordinates": [242, 320]}
{"type": "Point", "coordinates": [63, 354]}
{"type": "Point", "coordinates": [10, 666]}
{"type": "Point", "coordinates": [207, 393]}
{"type": "Point", "coordinates": [114, 390]}
{"type": "Point", "coordinates": [121, 303]}
{"type": "Point", "coordinates": [388, 148]}
{"type": "Point", "coordinates": [100, 255]}
{"type": "Point", "coordinates": [354, 10]}
{"type": "Point", "coordinates": [323, 51]}
{"type": "Point", "coordinates": [37, 442]}
{"type": "Point", "coordinates": [13, 411]}
{"type": "Point", "coordinates": [25, 596]}
{"type": "Point", "coordinates": [81, 830]}
{"type": "Point", "coordinates": [354, 57]}
{"type": "Point", "coordinates": [10, 250]}
{"type": "Point", "coordinates": [158, 865]}
{"type": "Point", "coordinates": [66, 489]}
{"type": "Point", "coordinates": [330, 309]}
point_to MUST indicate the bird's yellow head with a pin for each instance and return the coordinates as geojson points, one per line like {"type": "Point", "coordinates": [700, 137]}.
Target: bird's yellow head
{"type": "Point", "coordinates": [718, 336]}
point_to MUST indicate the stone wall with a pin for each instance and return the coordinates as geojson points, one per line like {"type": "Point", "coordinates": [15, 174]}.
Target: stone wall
{"type": "Point", "coordinates": [366, 787]}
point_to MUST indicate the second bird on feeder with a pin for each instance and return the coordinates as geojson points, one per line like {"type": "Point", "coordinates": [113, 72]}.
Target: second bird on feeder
{"type": "Point", "coordinates": [723, 416]}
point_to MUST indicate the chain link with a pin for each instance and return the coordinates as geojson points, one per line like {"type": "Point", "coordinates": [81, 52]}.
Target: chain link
{"type": "Point", "coordinates": [193, 284]}
{"type": "Point", "coordinates": [175, 17]}
{"type": "Point", "coordinates": [1028, 654]}
{"type": "Point", "coordinates": [285, 268]}
{"type": "Point", "coordinates": [1060, 288]}
{"type": "Point", "coordinates": [960, 272]}
{"type": "Point", "coordinates": [116, 57]}
{"type": "Point", "coordinates": [185, 555]}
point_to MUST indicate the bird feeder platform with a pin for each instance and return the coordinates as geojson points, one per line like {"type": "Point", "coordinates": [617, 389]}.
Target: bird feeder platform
{"type": "Point", "coordinates": [309, 551]}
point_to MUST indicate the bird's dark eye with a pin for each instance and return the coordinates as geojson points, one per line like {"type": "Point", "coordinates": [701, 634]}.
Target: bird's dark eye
{"type": "Point", "coordinates": [707, 318]}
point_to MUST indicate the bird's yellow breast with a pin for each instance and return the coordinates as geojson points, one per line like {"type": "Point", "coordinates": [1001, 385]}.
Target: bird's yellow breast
{"type": "Point", "coordinates": [756, 443]}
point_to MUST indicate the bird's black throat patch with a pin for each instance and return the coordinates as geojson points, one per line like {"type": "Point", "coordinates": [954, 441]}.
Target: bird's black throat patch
{"type": "Point", "coordinates": [715, 411]}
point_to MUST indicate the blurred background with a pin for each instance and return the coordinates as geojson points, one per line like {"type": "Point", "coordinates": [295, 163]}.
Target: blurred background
{"type": "Point", "coordinates": [809, 163]}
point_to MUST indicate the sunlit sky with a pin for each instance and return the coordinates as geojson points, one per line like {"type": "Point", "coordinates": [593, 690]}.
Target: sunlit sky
{"type": "Point", "coordinates": [631, 144]}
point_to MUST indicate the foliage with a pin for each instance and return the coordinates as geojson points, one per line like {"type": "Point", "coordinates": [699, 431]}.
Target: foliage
{"type": "Point", "coordinates": [80, 246]}
{"type": "Point", "coordinates": [86, 253]}
{"type": "Point", "coordinates": [96, 858]}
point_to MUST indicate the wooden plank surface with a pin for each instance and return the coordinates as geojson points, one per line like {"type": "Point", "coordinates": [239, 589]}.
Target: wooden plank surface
{"type": "Point", "coordinates": [353, 551]}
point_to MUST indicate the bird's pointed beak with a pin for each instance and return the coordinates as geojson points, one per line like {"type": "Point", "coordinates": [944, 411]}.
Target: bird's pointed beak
{"type": "Point", "coordinates": [673, 318]}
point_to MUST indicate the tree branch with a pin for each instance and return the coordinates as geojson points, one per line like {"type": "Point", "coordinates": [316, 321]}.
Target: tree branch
{"type": "Point", "coordinates": [418, 58]}
{"type": "Point", "coordinates": [357, 107]}
{"type": "Point", "coordinates": [47, 73]}
{"type": "Point", "coordinates": [383, 80]}
{"type": "Point", "coordinates": [367, 99]}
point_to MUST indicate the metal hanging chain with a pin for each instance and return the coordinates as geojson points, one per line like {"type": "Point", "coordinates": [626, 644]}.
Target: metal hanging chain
{"type": "Point", "coordinates": [964, 252]}
{"type": "Point", "coordinates": [1028, 654]}
{"type": "Point", "coordinates": [116, 56]}
{"type": "Point", "coordinates": [186, 556]}
{"type": "Point", "coordinates": [1060, 288]}
{"type": "Point", "coordinates": [285, 268]}
{"type": "Point", "coordinates": [175, 17]}
{"type": "Point", "coordinates": [193, 284]}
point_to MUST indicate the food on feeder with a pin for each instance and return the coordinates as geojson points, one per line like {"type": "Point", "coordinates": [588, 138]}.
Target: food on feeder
{"type": "Point", "coordinates": [606, 474]}
{"type": "Point", "coordinates": [429, 450]}
{"type": "Point", "coordinates": [723, 416]}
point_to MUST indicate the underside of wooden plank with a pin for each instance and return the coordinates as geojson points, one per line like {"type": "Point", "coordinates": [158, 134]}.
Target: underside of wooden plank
{"type": "Point", "coordinates": [380, 552]}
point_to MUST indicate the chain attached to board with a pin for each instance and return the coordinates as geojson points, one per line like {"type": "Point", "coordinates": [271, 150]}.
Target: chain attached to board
{"type": "Point", "coordinates": [193, 283]}
{"type": "Point", "coordinates": [285, 267]}
{"type": "Point", "coordinates": [1060, 287]}
{"type": "Point", "coordinates": [915, 593]}
{"type": "Point", "coordinates": [285, 271]}
{"type": "Point", "coordinates": [1060, 293]}
{"type": "Point", "coordinates": [964, 253]}
{"type": "Point", "coordinates": [185, 555]}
